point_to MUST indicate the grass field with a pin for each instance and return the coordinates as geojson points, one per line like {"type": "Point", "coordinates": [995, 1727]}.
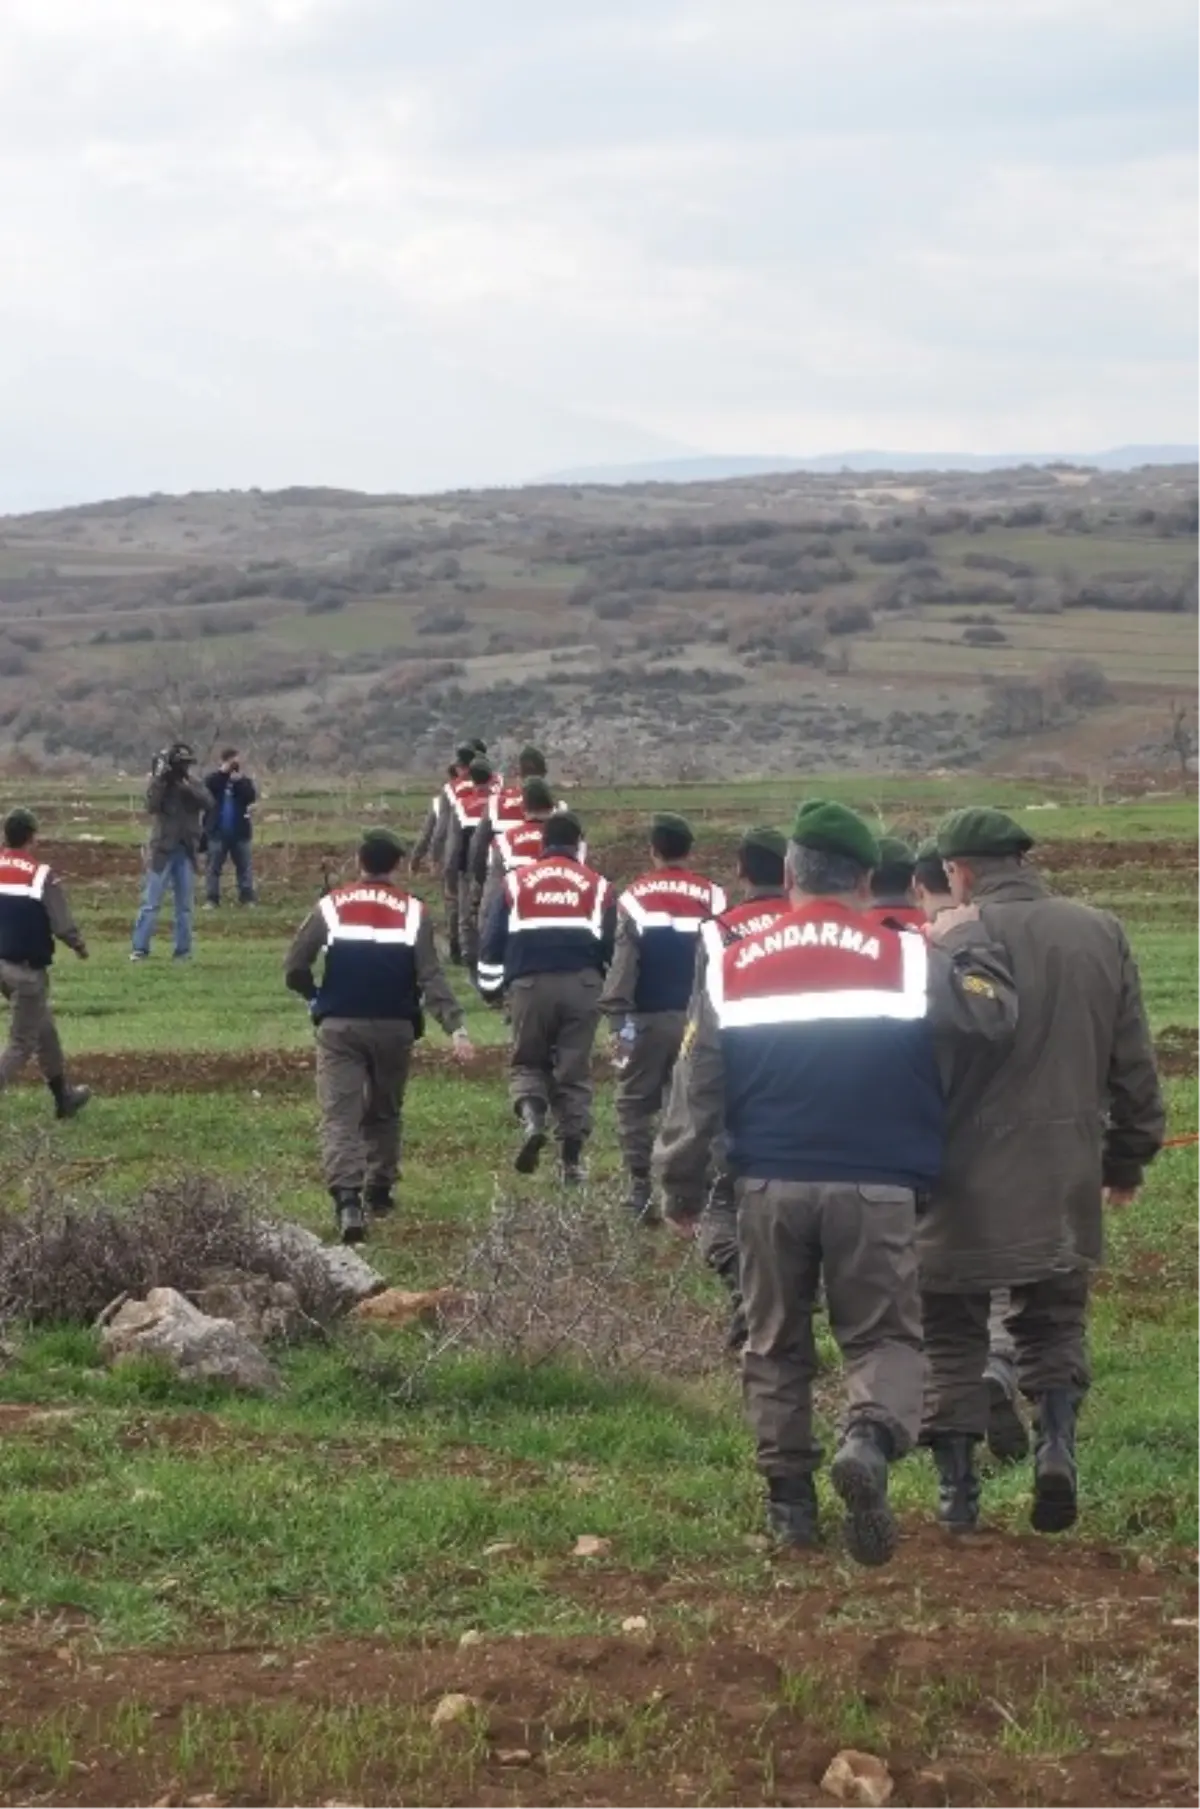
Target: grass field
{"type": "Point", "coordinates": [217, 1600]}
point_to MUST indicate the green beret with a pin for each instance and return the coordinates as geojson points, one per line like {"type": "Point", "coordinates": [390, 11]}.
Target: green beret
{"type": "Point", "coordinates": [562, 829]}
{"type": "Point", "coordinates": [928, 849]}
{"type": "Point", "coordinates": [19, 826]}
{"type": "Point", "coordinates": [895, 853]}
{"type": "Point", "coordinates": [536, 795]}
{"type": "Point", "coordinates": [981, 830]}
{"type": "Point", "coordinates": [769, 840]}
{"type": "Point", "coordinates": [667, 819]}
{"type": "Point", "coordinates": [480, 770]}
{"type": "Point", "coordinates": [533, 758]}
{"type": "Point", "coordinates": [480, 747]}
{"type": "Point", "coordinates": [382, 839]}
{"type": "Point", "coordinates": [833, 829]}
{"type": "Point", "coordinates": [465, 752]}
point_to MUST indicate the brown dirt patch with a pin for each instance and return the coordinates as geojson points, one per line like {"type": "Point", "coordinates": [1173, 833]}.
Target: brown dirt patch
{"type": "Point", "coordinates": [1012, 1672]}
{"type": "Point", "coordinates": [1176, 1049]}
{"type": "Point", "coordinates": [267, 1071]}
{"type": "Point", "coordinates": [1176, 857]}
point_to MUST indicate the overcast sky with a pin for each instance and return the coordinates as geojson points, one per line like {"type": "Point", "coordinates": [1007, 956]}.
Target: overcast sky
{"type": "Point", "coordinates": [419, 243]}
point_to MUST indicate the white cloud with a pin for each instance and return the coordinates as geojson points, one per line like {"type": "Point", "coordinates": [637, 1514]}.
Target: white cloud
{"type": "Point", "coordinates": [376, 242]}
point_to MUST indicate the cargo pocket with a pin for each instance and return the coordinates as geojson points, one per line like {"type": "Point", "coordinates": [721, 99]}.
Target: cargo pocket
{"type": "Point", "coordinates": [886, 1196]}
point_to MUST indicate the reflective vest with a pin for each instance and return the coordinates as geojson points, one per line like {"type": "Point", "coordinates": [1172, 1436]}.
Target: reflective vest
{"type": "Point", "coordinates": [370, 970]}
{"type": "Point", "coordinates": [665, 909]}
{"type": "Point", "coordinates": [830, 1068]}
{"type": "Point", "coordinates": [520, 846]}
{"type": "Point", "coordinates": [25, 934]}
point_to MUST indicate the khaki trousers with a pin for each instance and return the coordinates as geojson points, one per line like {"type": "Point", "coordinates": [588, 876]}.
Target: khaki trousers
{"type": "Point", "coordinates": [554, 1021]}
{"type": "Point", "coordinates": [1047, 1321]}
{"type": "Point", "coordinates": [643, 1083]}
{"type": "Point", "coordinates": [860, 1242]}
{"type": "Point", "coordinates": [362, 1071]}
{"type": "Point", "coordinates": [31, 1027]}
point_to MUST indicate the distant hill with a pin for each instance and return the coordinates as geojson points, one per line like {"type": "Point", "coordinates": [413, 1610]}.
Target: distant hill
{"type": "Point", "coordinates": [712, 469]}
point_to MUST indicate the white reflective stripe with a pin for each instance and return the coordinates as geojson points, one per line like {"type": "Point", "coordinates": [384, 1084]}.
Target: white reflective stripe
{"type": "Point", "coordinates": [329, 913]}
{"type": "Point", "coordinates": [366, 932]}
{"type": "Point", "coordinates": [587, 924]}
{"type": "Point", "coordinates": [33, 887]}
{"type": "Point", "coordinates": [487, 970]}
{"type": "Point", "coordinates": [910, 1003]}
{"type": "Point", "coordinates": [720, 902]}
{"type": "Point", "coordinates": [662, 920]}
{"type": "Point", "coordinates": [714, 942]}
{"type": "Point", "coordinates": [22, 891]}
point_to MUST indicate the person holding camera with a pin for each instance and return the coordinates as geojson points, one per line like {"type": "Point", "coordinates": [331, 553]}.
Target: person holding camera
{"type": "Point", "coordinates": [229, 830]}
{"type": "Point", "coordinates": [178, 805]}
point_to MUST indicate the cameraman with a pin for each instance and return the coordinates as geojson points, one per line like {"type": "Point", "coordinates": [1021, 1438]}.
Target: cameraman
{"type": "Point", "coordinates": [178, 805]}
{"type": "Point", "coordinates": [229, 831]}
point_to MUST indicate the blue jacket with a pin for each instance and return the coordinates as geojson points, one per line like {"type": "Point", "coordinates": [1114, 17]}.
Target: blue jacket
{"type": "Point", "coordinates": [244, 793]}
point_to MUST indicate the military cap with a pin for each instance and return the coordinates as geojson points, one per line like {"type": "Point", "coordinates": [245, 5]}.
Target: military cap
{"type": "Point", "coordinates": [465, 752]}
{"type": "Point", "coordinates": [834, 829]}
{"type": "Point", "coordinates": [981, 830]}
{"type": "Point", "coordinates": [480, 770]}
{"type": "Point", "coordinates": [669, 822]}
{"type": "Point", "coordinates": [771, 841]}
{"type": "Point", "coordinates": [20, 826]}
{"type": "Point", "coordinates": [479, 747]}
{"type": "Point", "coordinates": [531, 757]}
{"type": "Point", "coordinates": [382, 845]}
{"type": "Point", "coordinates": [536, 795]}
{"type": "Point", "coordinates": [895, 853]}
{"type": "Point", "coordinates": [562, 829]}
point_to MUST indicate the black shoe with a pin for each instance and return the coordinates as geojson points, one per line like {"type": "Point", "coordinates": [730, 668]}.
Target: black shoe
{"type": "Point", "coordinates": [72, 1102]}
{"type": "Point", "coordinates": [1055, 1478]}
{"type": "Point", "coordinates": [532, 1114]}
{"type": "Point", "coordinates": [793, 1517]}
{"type": "Point", "coordinates": [859, 1473]}
{"type": "Point", "coordinates": [639, 1201]}
{"type": "Point", "coordinates": [574, 1174]}
{"type": "Point", "coordinates": [378, 1199]}
{"type": "Point", "coordinates": [351, 1219]}
{"type": "Point", "coordinates": [456, 954]}
{"type": "Point", "coordinates": [1007, 1438]}
{"type": "Point", "coordinates": [958, 1484]}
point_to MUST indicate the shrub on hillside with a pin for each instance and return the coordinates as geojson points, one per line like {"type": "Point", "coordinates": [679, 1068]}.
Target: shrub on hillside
{"type": "Point", "coordinates": [983, 635]}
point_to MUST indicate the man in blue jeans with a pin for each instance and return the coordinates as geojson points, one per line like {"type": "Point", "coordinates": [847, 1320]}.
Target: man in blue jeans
{"type": "Point", "coordinates": [178, 805]}
{"type": "Point", "coordinates": [229, 829]}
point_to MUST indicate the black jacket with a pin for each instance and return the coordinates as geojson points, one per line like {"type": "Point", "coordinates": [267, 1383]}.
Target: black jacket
{"type": "Point", "coordinates": [244, 795]}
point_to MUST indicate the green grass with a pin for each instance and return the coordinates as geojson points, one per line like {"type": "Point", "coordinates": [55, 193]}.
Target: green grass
{"type": "Point", "coordinates": [158, 1515]}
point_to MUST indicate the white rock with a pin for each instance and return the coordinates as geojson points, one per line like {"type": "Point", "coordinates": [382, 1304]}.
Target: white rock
{"type": "Point", "coordinates": [197, 1347]}
{"type": "Point", "coordinates": [500, 1548]}
{"type": "Point", "coordinates": [858, 1777]}
{"type": "Point", "coordinates": [590, 1545]}
{"type": "Point", "coordinates": [472, 1637]}
{"type": "Point", "coordinates": [634, 1623]}
{"type": "Point", "coordinates": [353, 1278]}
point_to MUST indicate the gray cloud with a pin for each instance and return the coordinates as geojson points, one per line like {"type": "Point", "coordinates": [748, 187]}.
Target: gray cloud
{"type": "Point", "coordinates": [383, 243]}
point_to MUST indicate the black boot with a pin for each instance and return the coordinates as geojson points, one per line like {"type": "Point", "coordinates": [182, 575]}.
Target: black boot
{"type": "Point", "coordinates": [378, 1199]}
{"type": "Point", "coordinates": [68, 1101]}
{"type": "Point", "coordinates": [1055, 1479]}
{"type": "Point", "coordinates": [1007, 1439]}
{"type": "Point", "coordinates": [532, 1114]}
{"type": "Point", "coordinates": [859, 1473]}
{"type": "Point", "coordinates": [574, 1173]}
{"type": "Point", "coordinates": [639, 1201]}
{"type": "Point", "coordinates": [351, 1219]}
{"type": "Point", "coordinates": [958, 1485]}
{"type": "Point", "coordinates": [792, 1513]}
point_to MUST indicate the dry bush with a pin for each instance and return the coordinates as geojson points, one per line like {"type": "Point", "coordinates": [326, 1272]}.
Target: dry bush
{"type": "Point", "coordinates": [569, 1278]}
{"type": "Point", "coordinates": [63, 1260]}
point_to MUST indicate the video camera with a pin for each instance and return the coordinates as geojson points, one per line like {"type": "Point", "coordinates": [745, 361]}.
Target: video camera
{"type": "Point", "coordinates": [173, 762]}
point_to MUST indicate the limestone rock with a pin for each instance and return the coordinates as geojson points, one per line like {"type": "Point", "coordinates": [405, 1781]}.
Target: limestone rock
{"type": "Point", "coordinates": [591, 1545]}
{"type": "Point", "coordinates": [353, 1278]}
{"type": "Point", "coordinates": [262, 1310]}
{"type": "Point", "coordinates": [197, 1347]}
{"type": "Point", "coordinates": [858, 1777]}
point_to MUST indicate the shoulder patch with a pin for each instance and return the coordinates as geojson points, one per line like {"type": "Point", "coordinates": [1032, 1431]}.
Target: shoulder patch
{"type": "Point", "coordinates": [689, 1037]}
{"type": "Point", "coordinates": [976, 984]}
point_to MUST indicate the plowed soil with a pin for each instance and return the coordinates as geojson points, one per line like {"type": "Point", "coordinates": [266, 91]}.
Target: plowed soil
{"type": "Point", "coordinates": [1175, 1047]}
{"type": "Point", "coordinates": [1177, 857]}
{"type": "Point", "coordinates": [265, 1071]}
{"type": "Point", "coordinates": [980, 1636]}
